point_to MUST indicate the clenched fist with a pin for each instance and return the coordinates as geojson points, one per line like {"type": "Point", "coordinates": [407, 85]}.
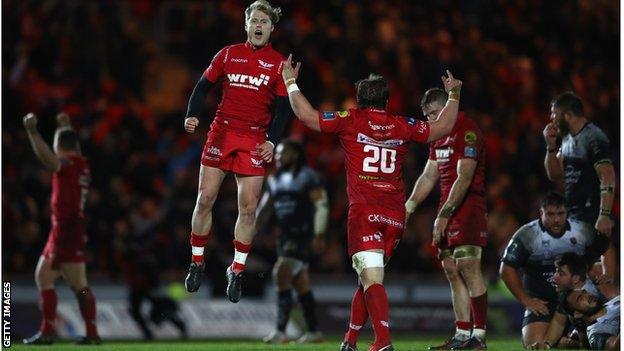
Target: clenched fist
{"type": "Point", "coordinates": [30, 121]}
{"type": "Point", "coordinates": [190, 124]}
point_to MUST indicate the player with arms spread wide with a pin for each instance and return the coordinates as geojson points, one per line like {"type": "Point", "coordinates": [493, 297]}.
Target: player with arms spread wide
{"type": "Point", "coordinates": [375, 144]}
{"type": "Point", "coordinates": [458, 163]}
{"type": "Point", "coordinates": [238, 142]}
{"type": "Point", "coordinates": [64, 253]}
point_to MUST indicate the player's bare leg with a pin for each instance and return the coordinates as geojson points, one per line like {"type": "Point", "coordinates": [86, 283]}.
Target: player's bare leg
{"type": "Point", "coordinates": [301, 283]}
{"type": "Point", "coordinates": [282, 276]}
{"type": "Point", "coordinates": [468, 260]}
{"type": "Point", "coordinates": [371, 263]}
{"type": "Point", "coordinates": [533, 333]}
{"type": "Point", "coordinates": [249, 188]}
{"type": "Point", "coordinates": [461, 303]}
{"type": "Point", "coordinates": [210, 180]}
{"type": "Point", "coordinates": [75, 274]}
{"type": "Point", "coordinates": [45, 276]}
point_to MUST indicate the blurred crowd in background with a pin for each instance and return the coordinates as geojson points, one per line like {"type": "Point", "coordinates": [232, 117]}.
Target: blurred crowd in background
{"type": "Point", "coordinates": [123, 71]}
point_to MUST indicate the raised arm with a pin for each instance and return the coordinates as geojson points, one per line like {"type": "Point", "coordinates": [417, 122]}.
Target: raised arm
{"type": "Point", "coordinates": [422, 188]}
{"type": "Point", "coordinates": [299, 103]}
{"type": "Point", "coordinates": [553, 161]}
{"type": "Point", "coordinates": [443, 125]}
{"type": "Point", "coordinates": [41, 149]}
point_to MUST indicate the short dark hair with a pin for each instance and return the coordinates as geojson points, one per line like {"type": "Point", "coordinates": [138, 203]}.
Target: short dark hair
{"type": "Point", "coordinates": [432, 95]}
{"type": "Point", "coordinates": [68, 140]}
{"type": "Point", "coordinates": [569, 102]}
{"type": "Point", "coordinates": [577, 265]}
{"type": "Point", "coordinates": [553, 198]}
{"type": "Point", "coordinates": [372, 92]}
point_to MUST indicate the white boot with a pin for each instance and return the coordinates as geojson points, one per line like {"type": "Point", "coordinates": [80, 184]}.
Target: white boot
{"type": "Point", "coordinates": [276, 337]}
{"type": "Point", "coordinates": [311, 337]}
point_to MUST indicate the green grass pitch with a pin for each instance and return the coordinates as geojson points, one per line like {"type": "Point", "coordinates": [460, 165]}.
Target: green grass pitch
{"type": "Point", "coordinates": [333, 344]}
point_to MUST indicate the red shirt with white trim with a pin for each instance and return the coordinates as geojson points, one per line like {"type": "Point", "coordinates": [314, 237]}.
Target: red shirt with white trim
{"type": "Point", "coordinates": [375, 145]}
{"type": "Point", "coordinates": [465, 141]}
{"type": "Point", "coordinates": [251, 79]}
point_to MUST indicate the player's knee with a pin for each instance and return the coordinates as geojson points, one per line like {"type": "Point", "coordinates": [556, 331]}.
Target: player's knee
{"type": "Point", "coordinates": [205, 200]}
{"type": "Point", "coordinates": [451, 273]}
{"type": "Point", "coordinates": [247, 210]}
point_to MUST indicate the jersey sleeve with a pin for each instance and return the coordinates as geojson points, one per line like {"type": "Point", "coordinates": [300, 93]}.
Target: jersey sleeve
{"type": "Point", "coordinates": [516, 254]}
{"type": "Point", "coordinates": [280, 87]}
{"type": "Point", "coordinates": [334, 121]}
{"type": "Point", "coordinates": [215, 70]}
{"type": "Point", "coordinates": [599, 149]}
{"type": "Point", "coordinates": [419, 130]}
{"type": "Point", "coordinates": [469, 142]}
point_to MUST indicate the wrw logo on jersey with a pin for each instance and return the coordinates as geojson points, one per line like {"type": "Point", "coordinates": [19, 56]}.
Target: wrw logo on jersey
{"type": "Point", "coordinates": [249, 82]}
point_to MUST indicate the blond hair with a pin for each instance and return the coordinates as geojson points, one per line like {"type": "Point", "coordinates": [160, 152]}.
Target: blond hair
{"type": "Point", "coordinates": [274, 13]}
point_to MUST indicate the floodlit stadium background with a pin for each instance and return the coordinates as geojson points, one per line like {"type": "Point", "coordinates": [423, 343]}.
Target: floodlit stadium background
{"type": "Point", "coordinates": [123, 71]}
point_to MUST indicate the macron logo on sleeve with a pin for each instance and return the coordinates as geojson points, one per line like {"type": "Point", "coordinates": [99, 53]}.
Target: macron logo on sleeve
{"type": "Point", "coordinates": [248, 82]}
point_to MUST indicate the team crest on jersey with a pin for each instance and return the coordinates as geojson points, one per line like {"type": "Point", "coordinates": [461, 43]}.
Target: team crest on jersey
{"type": "Point", "coordinates": [573, 240]}
{"type": "Point", "coordinates": [265, 65]}
{"type": "Point", "coordinates": [342, 114]}
{"type": "Point", "coordinates": [411, 121]}
{"type": "Point", "coordinates": [470, 137]}
{"type": "Point", "coordinates": [328, 116]}
{"type": "Point", "coordinates": [256, 162]}
{"type": "Point", "coordinates": [470, 151]}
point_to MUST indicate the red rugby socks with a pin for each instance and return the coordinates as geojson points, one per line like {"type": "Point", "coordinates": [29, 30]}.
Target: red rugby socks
{"type": "Point", "coordinates": [48, 302]}
{"type": "Point", "coordinates": [86, 302]}
{"type": "Point", "coordinates": [197, 246]}
{"type": "Point", "coordinates": [377, 306]}
{"type": "Point", "coordinates": [359, 316]}
{"type": "Point", "coordinates": [478, 305]}
{"type": "Point", "coordinates": [240, 256]}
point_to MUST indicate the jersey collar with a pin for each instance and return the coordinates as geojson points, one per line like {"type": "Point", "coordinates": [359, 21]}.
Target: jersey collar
{"type": "Point", "coordinates": [543, 228]}
{"type": "Point", "coordinates": [251, 47]}
{"type": "Point", "coordinates": [375, 110]}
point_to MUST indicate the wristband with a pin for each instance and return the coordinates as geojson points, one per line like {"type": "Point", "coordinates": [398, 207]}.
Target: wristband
{"type": "Point", "coordinates": [292, 88]}
{"type": "Point", "coordinates": [606, 189]}
{"type": "Point", "coordinates": [454, 94]}
{"type": "Point", "coordinates": [447, 211]}
{"type": "Point", "coordinates": [410, 206]}
{"type": "Point", "coordinates": [604, 212]}
{"type": "Point", "coordinates": [451, 99]}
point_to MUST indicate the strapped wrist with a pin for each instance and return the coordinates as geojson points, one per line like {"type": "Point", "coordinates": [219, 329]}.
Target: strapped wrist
{"type": "Point", "coordinates": [447, 211]}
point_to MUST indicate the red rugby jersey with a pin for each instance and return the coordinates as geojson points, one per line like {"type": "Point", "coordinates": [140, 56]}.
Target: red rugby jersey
{"type": "Point", "coordinates": [70, 186]}
{"type": "Point", "coordinates": [251, 79]}
{"type": "Point", "coordinates": [465, 141]}
{"type": "Point", "coordinates": [375, 145]}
